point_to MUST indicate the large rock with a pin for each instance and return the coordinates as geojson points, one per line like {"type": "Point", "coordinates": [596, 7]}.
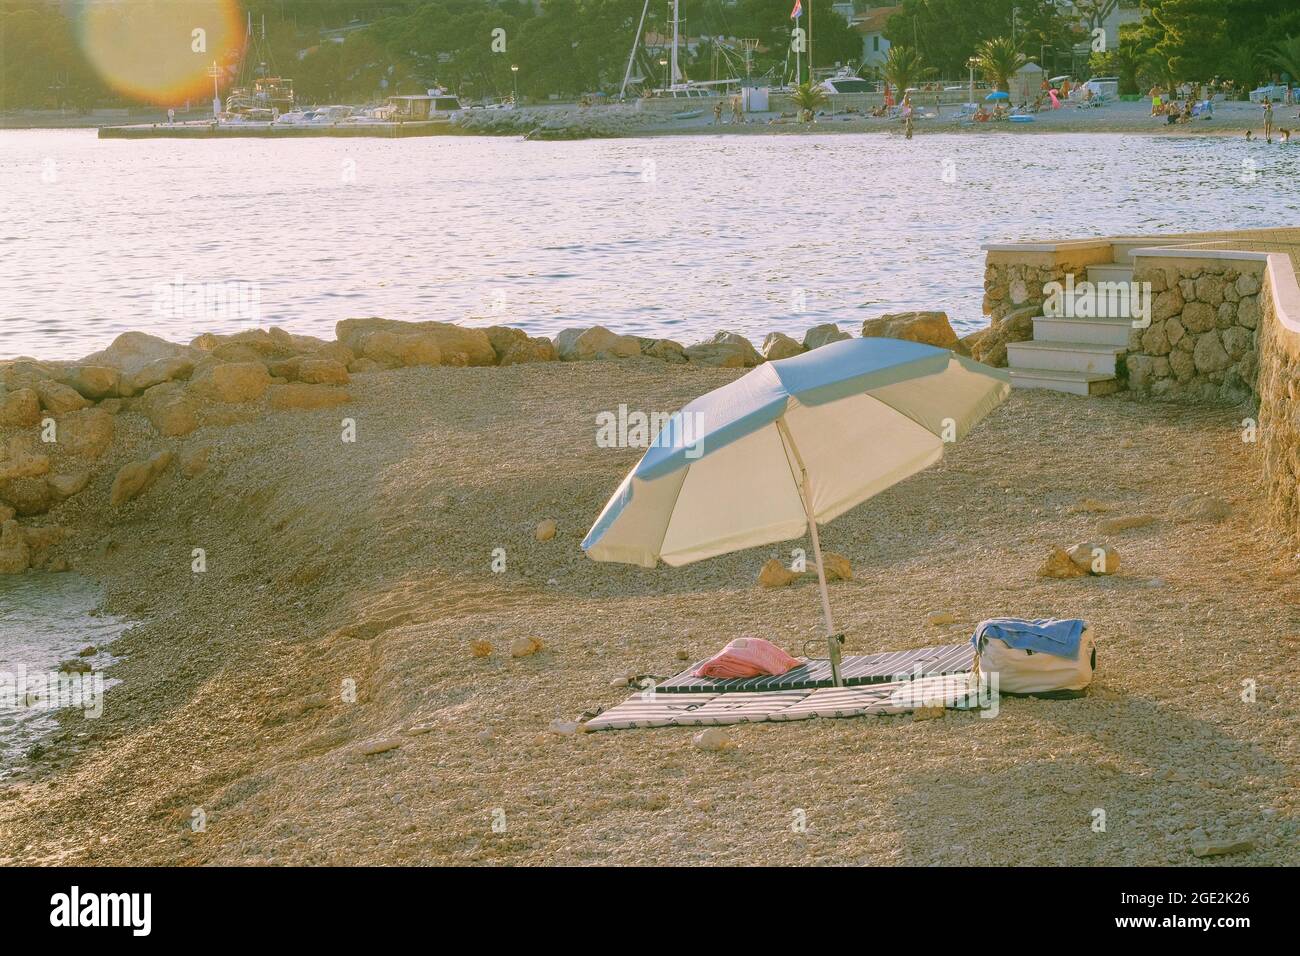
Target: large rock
{"type": "Point", "coordinates": [751, 356]}
{"type": "Point", "coordinates": [17, 460]}
{"type": "Point", "coordinates": [132, 352]}
{"type": "Point", "coordinates": [1060, 565]}
{"type": "Point", "coordinates": [502, 337]}
{"type": "Point", "coordinates": [311, 370]}
{"type": "Point", "coordinates": [597, 342]}
{"type": "Point", "coordinates": [27, 496]}
{"type": "Point", "coordinates": [19, 408]}
{"type": "Point", "coordinates": [1094, 558]}
{"type": "Point", "coordinates": [725, 350]}
{"type": "Point", "coordinates": [170, 411]}
{"type": "Point", "coordinates": [452, 340]}
{"type": "Point", "coordinates": [63, 487]}
{"type": "Point", "coordinates": [303, 396]}
{"type": "Point", "coordinates": [86, 433]}
{"type": "Point", "coordinates": [525, 350]}
{"type": "Point", "coordinates": [134, 479]}
{"type": "Point", "coordinates": [157, 372]}
{"type": "Point", "coordinates": [59, 399]}
{"type": "Point", "coordinates": [665, 350]}
{"type": "Point", "coordinates": [92, 381]}
{"type": "Point", "coordinates": [990, 347]}
{"type": "Point", "coordinates": [717, 356]}
{"type": "Point", "coordinates": [774, 574]}
{"type": "Point", "coordinates": [26, 373]}
{"type": "Point", "coordinates": [778, 346]}
{"type": "Point", "coordinates": [233, 383]}
{"type": "Point", "coordinates": [15, 557]}
{"type": "Point", "coordinates": [824, 334]}
{"type": "Point", "coordinates": [929, 328]}
{"type": "Point", "coordinates": [401, 349]}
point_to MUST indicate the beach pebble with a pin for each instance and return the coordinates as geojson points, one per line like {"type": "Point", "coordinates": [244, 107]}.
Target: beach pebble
{"type": "Point", "coordinates": [480, 647]}
{"type": "Point", "coordinates": [928, 712]}
{"type": "Point", "coordinates": [485, 736]}
{"type": "Point", "coordinates": [1092, 506]}
{"type": "Point", "coordinates": [940, 617]}
{"type": "Point", "coordinates": [74, 667]}
{"type": "Point", "coordinates": [88, 651]}
{"type": "Point", "coordinates": [524, 646]}
{"type": "Point", "coordinates": [419, 730]}
{"type": "Point", "coordinates": [714, 739]}
{"type": "Point", "coordinates": [683, 655]}
{"type": "Point", "coordinates": [546, 529]}
{"type": "Point", "coordinates": [565, 728]}
{"type": "Point", "coordinates": [1203, 846]}
{"type": "Point", "coordinates": [379, 746]}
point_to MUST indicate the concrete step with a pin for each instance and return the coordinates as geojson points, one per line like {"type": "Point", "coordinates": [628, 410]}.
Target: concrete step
{"type": "Point", "coordinates": [1050, 328]}
{"type": "Point", "coordinates": [1086, 357]}
{"type": "Point", "coordinates": [1111, 272]}
{"type": "Point", "coordinates": [1076, 383]}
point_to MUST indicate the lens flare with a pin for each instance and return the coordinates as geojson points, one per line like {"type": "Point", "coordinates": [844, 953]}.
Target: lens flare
{"type": "Point", "coordinates": [160, 51]}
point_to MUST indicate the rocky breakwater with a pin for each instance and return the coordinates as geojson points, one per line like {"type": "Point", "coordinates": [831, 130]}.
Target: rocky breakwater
{"type": "Point", "coordinates": [558, 122]}
{"type": "Point", "coordinates": [61, 422]}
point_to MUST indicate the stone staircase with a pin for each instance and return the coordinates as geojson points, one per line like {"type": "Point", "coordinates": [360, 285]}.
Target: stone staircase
{"type": "Point", "coordinates": [1071, 354]}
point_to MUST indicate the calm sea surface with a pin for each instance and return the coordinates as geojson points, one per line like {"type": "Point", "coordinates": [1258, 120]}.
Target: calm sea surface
{"type": "Point", "coordinates": [676, 237]}
{"type": "Point", "coordinates": [45, 619]}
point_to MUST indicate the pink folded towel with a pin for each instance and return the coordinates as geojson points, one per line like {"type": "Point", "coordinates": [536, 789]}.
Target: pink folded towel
{"type": "Point", "coordinates": [747, 657]}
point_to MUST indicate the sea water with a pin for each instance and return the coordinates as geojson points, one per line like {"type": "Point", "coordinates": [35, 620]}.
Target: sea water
{"type": "Point", "coordinates": [674, 236]}
{"type": "Point", "coordinates": [46, 619]}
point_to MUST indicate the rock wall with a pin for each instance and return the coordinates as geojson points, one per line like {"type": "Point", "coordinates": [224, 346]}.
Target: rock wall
{"type": "Point", "coordinates": [1202, 343]}
{"type": "Point", "coordinates": [1278, 388]}
{"type": "Point", "coordinates": [1013, 294]}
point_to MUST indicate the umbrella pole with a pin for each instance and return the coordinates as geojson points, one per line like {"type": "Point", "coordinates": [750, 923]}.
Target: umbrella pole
{"type": "Point", "coordinates": [805, 493]}
{"type": "Point", "coordinates": [832, 639]}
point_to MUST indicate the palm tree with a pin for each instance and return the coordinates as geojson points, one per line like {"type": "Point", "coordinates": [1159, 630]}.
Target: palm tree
{"type": "Point", "coordinates": [1286, 55]}
{"type": "Point", "coordinates": [904, 68]}
{"type": "Point", "coordinates": [999, 60]}
{"type": "Point", "coordinates": [808, 98]}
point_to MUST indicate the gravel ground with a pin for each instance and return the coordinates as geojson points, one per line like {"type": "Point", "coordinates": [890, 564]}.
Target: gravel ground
{"type": "Point", "coordinates": [334, 566]}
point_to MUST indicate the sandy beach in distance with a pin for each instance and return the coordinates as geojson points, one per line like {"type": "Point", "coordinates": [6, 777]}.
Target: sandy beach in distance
{"type": "Point", "coordinates": [335, 567]}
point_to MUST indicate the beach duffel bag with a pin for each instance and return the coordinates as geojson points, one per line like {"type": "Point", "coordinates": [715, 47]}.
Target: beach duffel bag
{"type": "Point", "coordinates": [1044, 657]}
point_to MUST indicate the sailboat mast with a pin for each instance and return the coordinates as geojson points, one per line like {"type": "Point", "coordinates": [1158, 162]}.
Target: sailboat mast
{"type": "Point", "coordinates": [636, 41]}
{"type": "Point", "coordinates": [674, 53]}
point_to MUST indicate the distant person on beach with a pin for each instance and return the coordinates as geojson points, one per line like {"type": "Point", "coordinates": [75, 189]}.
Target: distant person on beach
{"type": "Point", "coordinates": [1249, 136]}
{"type": "Point", "coordinates": [737, 110]}
{"type": "Point", "coordinates": [717, 112]}
{"type": "Point", "coordinates": [1268, 120]}
{"type": "Point", "coordinates": [1156, 101]}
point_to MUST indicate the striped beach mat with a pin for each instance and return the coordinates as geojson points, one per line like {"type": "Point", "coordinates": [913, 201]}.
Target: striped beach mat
{"type": "Point", "coordinates": [844, 702]}
{"type": "Point", "coordinates": [648, 710]}
{"type": "Point", "coordinates": [743, 708]}
{"type": "Point", "coordinates": [855, 669]}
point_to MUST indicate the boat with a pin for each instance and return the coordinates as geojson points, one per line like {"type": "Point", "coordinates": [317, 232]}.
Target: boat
{"type": "Point", "coordinates": [688, 114]}
{"type": "Point", "coordinates": [434, 106]}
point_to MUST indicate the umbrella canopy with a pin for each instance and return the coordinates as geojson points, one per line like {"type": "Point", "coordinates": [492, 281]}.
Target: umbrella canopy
{"type": "Point", "coordinates": [998, 95]}
{"type": "Point", "coordinates": [794, 442]}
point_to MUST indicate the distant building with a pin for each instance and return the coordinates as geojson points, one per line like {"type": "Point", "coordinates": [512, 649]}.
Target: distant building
{"type": "Point", "coordinates": [871, 25]}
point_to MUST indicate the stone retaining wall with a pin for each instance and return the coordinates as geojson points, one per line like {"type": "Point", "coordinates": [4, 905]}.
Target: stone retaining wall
{"type": "Point", "coordinates": [1278, 389]}
{"type": "Point", "coordinates": [1202, 342]}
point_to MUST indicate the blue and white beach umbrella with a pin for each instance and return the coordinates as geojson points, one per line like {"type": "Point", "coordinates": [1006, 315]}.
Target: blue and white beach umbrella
{"type": "Point", "coordinates": [794, 442]}
{"type": "Point", "coordinates": [998, 95]}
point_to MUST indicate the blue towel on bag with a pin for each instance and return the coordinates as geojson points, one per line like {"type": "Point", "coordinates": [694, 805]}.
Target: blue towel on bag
{"type": "Point", "coordinates": [1044, 636]}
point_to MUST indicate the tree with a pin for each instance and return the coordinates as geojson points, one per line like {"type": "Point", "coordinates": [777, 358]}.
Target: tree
{"type": "Point", "coordinates": [947, 32]}
{"type": "Point", "coordinates": [1286, 56]}
{"type": "Point", "coordinates": [904, 68]}
{"type": "Point", "coordinates": [998, 60]}
{"type": "Point", "coordinates": [809, 99]}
